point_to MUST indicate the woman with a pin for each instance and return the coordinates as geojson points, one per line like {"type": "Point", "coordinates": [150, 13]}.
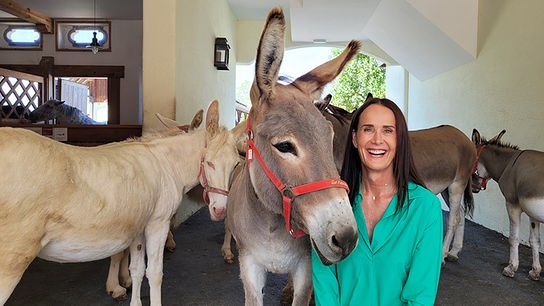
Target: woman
{"type": "Point", "coordinates": [399, 254]}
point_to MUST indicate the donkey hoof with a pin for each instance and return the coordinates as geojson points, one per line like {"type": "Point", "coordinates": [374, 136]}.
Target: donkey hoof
{"type": "Point", "coordinates": [229, 258]}
{"type": "Point", "coordinates": [452, 258]}
{"type": "Point", "coordinates": [534, 275]}
{"type": "Point", "coordinates": [119, 294]}
{"type": "Point", "coordinates": [508, 272]}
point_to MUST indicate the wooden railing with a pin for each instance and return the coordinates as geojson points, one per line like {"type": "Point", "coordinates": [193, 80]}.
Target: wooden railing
{"type": "Point", "coordinates": [20, 93]}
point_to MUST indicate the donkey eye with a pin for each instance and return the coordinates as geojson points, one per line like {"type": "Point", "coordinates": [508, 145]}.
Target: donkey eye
{"type": "Point", "coordinates": [286, 147]}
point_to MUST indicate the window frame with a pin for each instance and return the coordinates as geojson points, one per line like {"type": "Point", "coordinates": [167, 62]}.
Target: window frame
{"type": "Point", "coordinates": [10, 23]}
{"type": "Point", "coordinates": [62, 36]}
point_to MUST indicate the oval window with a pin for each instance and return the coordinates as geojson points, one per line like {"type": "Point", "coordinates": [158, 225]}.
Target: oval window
{"type": "Point", "coordinates": [82, 36]}
{"type": "Point", "coordinates": [22, 36]}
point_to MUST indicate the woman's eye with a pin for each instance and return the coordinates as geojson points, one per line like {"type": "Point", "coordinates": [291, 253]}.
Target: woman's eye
{"type": "Point", "coordinates": [286, 147]}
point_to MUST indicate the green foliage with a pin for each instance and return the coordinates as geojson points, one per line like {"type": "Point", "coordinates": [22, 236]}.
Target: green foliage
{"type": "Point", "coordinates": [242, 93]}
{"type": "Point", "coordinates": [361, 76]}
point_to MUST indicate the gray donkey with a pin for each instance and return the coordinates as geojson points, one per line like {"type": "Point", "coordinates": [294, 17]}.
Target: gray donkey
{"type": "Point", "coordinates": [62, 113]}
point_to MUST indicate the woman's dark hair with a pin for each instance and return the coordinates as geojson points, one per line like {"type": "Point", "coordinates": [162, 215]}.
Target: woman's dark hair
{"type": "Point", "coordinates": [403, 163]}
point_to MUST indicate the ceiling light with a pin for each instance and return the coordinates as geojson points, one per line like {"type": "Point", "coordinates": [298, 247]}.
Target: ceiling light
{"type": "Point", "coordinates": [94, 45]}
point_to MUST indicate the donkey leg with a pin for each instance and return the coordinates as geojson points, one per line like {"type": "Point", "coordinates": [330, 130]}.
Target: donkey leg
{"type": "Point", "coordinates": [302, 282]}
{"type": "Point", "coordinates": [253, 277]}
{"type": "Point", "coordinates": [124, 274]}
{"type": "Point", "coordinates": [456, 191]}
{"type": "Point", "coordinates": [534, 239]}
{"type": "Point", "coordinates": [112, 283]}
{"type": "Point", "coordinates": [226, 250]}
{"type": "Point", "coordinates": [170, 244]}
{"type": "Point", "coordinates": [453, 221]}
{"type": "Point", "coordinates": [514, 214]}
{"type": "Point", "coordinates": [287, 292]}
{"type": "Point", "coordinates": [12, 267]}
{"type": "Point", "coordinates": [155, 237]}
{"type": "Point", "coordinates": [137, 269]}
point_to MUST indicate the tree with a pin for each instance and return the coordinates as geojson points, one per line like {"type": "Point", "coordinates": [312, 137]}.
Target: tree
{"type": "Point", "coordinates": [361, 76]}
{"type": "Point", "coordinates": [242, 92]}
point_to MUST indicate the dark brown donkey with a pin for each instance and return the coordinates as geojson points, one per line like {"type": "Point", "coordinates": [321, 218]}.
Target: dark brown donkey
{"type": "Point", "coordinates": [519, 174]}
{"type": "Point", "coordinates": [444, 157]}
{"type": "Point", "coordinates": [290, 186]}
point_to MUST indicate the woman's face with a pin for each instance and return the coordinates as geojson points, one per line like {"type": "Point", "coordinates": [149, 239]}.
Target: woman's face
{"type": "Point", "coordinates": [376, 138]}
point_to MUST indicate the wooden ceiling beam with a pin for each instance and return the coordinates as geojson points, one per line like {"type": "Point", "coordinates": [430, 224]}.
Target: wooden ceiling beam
{"type": "Point", "coordinates": [44, 23]}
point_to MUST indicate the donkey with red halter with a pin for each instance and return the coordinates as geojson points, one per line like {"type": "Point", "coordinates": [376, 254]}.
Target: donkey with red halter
{"type": "Point", "coordinates": [443, 156]}
{"type": "Point", "coordinates": [289, 186]}
{"type": "Point", "coordinates": [519, 175]}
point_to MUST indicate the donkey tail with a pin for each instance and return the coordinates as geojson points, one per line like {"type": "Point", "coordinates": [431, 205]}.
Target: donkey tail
{"type": "Point", "coordinates": [468, 199]}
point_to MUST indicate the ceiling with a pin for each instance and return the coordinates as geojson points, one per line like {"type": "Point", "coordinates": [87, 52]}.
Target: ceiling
{"type": "Point", "coordinates": [105, 9]}
{"type": "Point", "coordinates": [426, 37]}
{"type": "Point", "coordinates": [339, 20]}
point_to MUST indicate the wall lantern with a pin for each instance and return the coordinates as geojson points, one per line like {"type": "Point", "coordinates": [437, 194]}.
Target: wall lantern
{"type": "Point", "coordinates": [221, 58]}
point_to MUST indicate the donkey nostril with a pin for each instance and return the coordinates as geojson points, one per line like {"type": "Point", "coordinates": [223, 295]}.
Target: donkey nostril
{"type": "Point", "coordinates": [345, 241]}
{"type": "Point", "coordinates": [335, 242]}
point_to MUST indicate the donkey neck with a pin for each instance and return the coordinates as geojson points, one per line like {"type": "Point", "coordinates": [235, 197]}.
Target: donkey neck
{"type": "Point", "coordinates": [500, 159]}
{"type": "Point", "coordinates": [180, 156]}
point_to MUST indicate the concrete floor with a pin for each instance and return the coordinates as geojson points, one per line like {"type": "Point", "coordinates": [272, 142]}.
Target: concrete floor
{"type": "Point", "coordinates": [195, 274]}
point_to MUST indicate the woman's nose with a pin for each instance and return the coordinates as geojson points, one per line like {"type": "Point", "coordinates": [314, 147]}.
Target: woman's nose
{"type": "Point", "coordinates": [377, 137]}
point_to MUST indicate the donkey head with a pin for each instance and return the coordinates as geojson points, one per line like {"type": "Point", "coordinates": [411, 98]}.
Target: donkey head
{"type": "Point", "coordinates": [49, 110]}
{"type": "Point", "coordinates": [295, 142]}
{"type": "Point", "coordinates": [480, 174]}
{"type": "Point", "coordinates": [217, 164]}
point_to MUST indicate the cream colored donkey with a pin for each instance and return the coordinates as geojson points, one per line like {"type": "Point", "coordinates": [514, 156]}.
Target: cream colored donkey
{"type": "Point", "coordinates": [118, 274]}
{"type": "Point", "coordinates": [73, 204]}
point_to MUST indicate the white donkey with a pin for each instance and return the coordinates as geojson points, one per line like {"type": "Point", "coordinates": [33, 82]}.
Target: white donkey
{"type": "Point", "coordinates": [118, 273]}
{"type": "Point", "coordinates": [89, 203]}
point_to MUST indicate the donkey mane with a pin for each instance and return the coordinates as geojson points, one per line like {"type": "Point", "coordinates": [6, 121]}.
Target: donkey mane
{"type": "Point", "coordinates": [499, 143]}
{"type": "Point", "coordinates": [337, 112]}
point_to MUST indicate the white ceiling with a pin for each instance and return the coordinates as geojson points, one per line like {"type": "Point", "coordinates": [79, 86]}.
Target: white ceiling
{"type": "Point", "coordinates": [106, 9]}
{"type": "Point", "coordinates": [426, 37]}
{"type": "Point", "coordinates": [338, 20]}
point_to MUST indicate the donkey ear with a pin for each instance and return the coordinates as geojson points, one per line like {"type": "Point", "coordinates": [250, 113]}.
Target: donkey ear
{"type": "Point", "coordinates": [498, 137]}
{"type": "Point", "coordinates": [212, 118]}
{"type": "Point", "coordinates": [269, 56]}
{"type": "Point", "coordinates": [197, 119]}
{"type": "Point", "coordinates": [240, 136]}
{"type": "Point", "coordinates": [167, 122]}
{"type": "Point", "coordinates": [476, 139]}
{"type": "Point", "coordinates": [58, 102]}
{"type": "Point", "coordinates": [313, 82]}
{"type": "Point", "coordinates": [328, 99]}
{"type": "Point", "coordinates": [369, 96]}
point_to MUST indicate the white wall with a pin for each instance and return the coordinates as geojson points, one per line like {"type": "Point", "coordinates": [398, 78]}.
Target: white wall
{"type": "Point", "coordinates": [126, 45]}
{"type": "Point", "coordinates": [501, 89]}
{"type": "Point", "coordinates": [179, 76]}
{"type": "Point", "coordinates": [198, 82]}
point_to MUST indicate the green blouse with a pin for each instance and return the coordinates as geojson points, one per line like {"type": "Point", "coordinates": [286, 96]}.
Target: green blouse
{"type": "Point", "coordinates": [400, 267]}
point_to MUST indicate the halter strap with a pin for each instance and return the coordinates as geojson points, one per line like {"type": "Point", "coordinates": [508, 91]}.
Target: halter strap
{"type": "Point", "coordinates": [288, 193]}
{"type": "Point", "coordinates": [484, 179]}
{"type": "Point", "coordinates": [204, 182]}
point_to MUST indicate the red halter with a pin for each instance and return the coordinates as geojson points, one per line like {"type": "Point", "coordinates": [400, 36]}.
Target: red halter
{"type": "Point", "coordinates": [289, 193]}
{"type": "Point", "coordinates": [484, 179]}
{"type": "Point", "coordinates": [204, 182]}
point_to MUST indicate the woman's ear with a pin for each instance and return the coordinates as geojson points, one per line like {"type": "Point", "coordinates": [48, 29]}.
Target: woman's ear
{"type": "Point", "coordinates": [354, 138]}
